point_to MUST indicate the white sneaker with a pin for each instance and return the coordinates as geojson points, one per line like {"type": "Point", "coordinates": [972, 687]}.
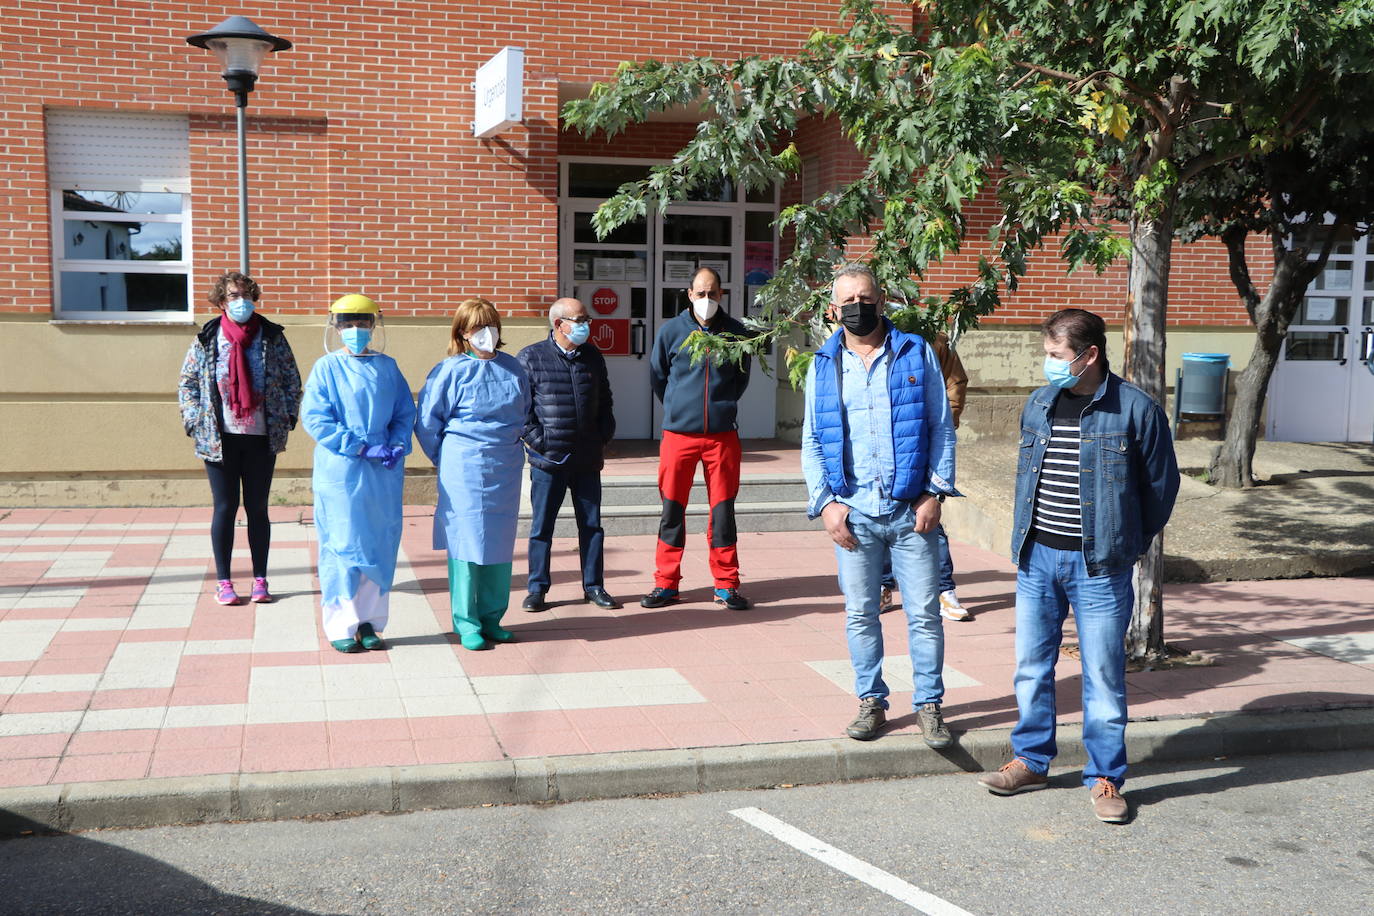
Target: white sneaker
{"type": "Point", "coordinates": [951, 609]}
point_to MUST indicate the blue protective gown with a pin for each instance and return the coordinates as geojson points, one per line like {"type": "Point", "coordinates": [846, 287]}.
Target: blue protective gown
{"type": "Point", "coordinates": [352, 402]}
{"type": "Point", "coordinates": [472, 413]}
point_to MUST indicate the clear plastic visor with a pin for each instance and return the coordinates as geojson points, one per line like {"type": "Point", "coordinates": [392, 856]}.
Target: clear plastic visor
{"type": "Point", "coordinates": [338, 321]}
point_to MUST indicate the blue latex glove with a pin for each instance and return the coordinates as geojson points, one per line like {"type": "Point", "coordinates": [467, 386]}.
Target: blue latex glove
{"type": "Point", "coordinates": [394, 454]}
{"type": "Point", "coordinates": [377, 452]}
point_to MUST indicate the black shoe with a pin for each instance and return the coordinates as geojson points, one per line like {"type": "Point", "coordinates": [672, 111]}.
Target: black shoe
{"type": "Point", "coordinates": [600, 597]}
{"type": "Point", "coordinates": [534, 601]}
{"type": "Point", "coordinates": [871, 719]}
{"type": "Point", "coordinates": [659, 597]}
{"type": "Point", "coordinates": [731, 598]}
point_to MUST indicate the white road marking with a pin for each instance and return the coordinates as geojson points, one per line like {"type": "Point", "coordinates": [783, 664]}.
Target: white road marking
{"type": "Point", "coordinates": [858, 869]}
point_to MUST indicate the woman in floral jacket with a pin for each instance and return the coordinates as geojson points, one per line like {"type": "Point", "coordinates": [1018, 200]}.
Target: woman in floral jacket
{"type": "Point", "coordinates": [240, 394]}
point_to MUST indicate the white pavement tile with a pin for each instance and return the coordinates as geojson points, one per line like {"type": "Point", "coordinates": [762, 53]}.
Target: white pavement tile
{"type": "Point", "coordinates": [93, 624]}
{"type": "Point", "coordinates": [78, 564]}
{"type": "Point", "coordinates": [533, 701]}
{"type": "Point", "coordinates": [646, 677]}
{"type": "Point", "coordinates": [201, 716]}
{"type": "Point", "coordinates": [1356, 648]}
{"type": "Point", "coordinates": [112, 720]}
{"type": "Point", "coordinates": [218, 647]}
{"type": "Point", "coordinates": [186, 547]}
{"type": "Point", "coordinates": [896, 672]}
{"type": "Point", "coordinates": [162, 616]}
{"type": "Point", "coordinates": [359, 688]}
{"type": "Point", "coordinates": [9, 685]}
{"type": "Point", "coordinates": [142, 665]}
{"type": "Point", "coordinates": [279, 712]}
{"type": "Point", "coordinates": [289, 624]}
{"type": "Point", "coordinates": [41, 602]}
{"type": "Point", "coordinates": [26, 640]}
{"type": "Point", "coordinates": [39, 723]}
{"type": "Point", "coordinates": [352, 710]}
{"type": "Point", "coordinates": [435, 687]}
{"type": "Point", "coordinates": [419, 707]}
{"type": "Point", "coordinates": [58, 683]}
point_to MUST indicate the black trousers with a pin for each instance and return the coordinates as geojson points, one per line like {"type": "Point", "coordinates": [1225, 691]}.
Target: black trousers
{"type": "Point", "coordinates": [247, 466]}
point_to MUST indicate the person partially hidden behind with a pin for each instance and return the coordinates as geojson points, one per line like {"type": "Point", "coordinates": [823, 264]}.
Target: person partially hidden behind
{"type": "Point", "coordinates": [1095, 482]}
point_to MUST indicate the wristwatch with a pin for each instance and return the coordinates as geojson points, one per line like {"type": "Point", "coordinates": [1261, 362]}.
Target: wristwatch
{"type": "Point", "coordinates": [939, 496]}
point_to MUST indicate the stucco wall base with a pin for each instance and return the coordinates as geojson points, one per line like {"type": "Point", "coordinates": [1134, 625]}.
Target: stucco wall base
{"type": "Point", "coordinates": [68, 491]}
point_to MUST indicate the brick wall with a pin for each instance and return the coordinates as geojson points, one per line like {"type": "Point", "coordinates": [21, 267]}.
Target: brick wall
{"type": "Point", "coordinates": [364, 174]}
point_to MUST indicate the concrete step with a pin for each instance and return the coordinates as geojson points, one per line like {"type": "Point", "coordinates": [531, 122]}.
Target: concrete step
{"type": "Point", "coordinates": [789, 515]}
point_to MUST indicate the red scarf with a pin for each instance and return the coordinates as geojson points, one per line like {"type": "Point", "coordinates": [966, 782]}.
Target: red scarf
{"type": "Point", "coordinates": [243, 400]}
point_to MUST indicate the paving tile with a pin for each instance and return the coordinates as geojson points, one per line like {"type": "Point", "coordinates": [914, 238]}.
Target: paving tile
{"type": "Point", "coordinates": [204, 737]}
{"type": "Point", "coordinates": [46, 702]}
{"type": "Point", "coordinates": [271, 758]}
{"type": "Point", "coordinates": [100, 767]}
{"type": "Point", "coordinates": [112, 742]}
{"type": "Point", "coordinates": [457, 750]}
{"type": "Point", "coordinates": [216, 714]}
{"type": "Point", "coordinates": [40, 723]}
{"type": "Point", "coordinates": [194, 761]}
{"type": "Point", "coordinates": [701, 734]}
{"type": "Point", "coordinates": [120, 719]}
{"type": "Point", "coordinates": [129, 699]}
{"type": "Point", "coordinates": [542, 744]}
{"type": "Point", "coordinates": [27, 771]}
{"type": "Point", "coordinates": [631, 738]}
{"type": "Point", "coordinates": [281, 711]}
{"type": "Point", "coordinates": [372, 754]}
{"type": "Point", "coordinates": [50, 745]}
{"type": "Point", "coordinates": [303, 733]}
{"type": "Point", "coordinates": [461, 726]}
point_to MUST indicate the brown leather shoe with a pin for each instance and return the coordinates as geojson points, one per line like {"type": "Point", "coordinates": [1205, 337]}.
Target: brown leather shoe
{"type": "Point", "coordinates": [1108, 804]}
{"type": "Point", "coordinates": [1014, 777]}
{"type": "Point", "coordinates": [871, 719]}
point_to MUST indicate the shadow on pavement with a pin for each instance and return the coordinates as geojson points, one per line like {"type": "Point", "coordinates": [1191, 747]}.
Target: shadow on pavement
{"type": "Point", "coordinates": [66, 873]}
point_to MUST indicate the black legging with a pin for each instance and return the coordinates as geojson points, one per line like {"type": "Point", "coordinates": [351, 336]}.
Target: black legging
{"type": "Point", "coordinates": [247, 462]}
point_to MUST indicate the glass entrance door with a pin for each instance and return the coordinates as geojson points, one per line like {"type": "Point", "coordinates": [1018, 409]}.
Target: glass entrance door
{"type": "Point", "coordinates": [1323, 388]}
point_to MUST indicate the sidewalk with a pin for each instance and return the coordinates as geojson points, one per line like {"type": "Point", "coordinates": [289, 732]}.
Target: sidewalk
{"type": "Point", "coordinates": [116, 664]}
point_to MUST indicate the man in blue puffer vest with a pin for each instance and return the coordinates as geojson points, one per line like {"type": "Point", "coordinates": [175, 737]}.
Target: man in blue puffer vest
{"type": "Point", "coordinates": [570, 421]}
{"type": "Point", "coordinates": [878, 455]}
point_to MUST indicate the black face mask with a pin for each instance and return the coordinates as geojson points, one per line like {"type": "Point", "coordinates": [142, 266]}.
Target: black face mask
{"type": "Point", "coordinates": [860, 318]}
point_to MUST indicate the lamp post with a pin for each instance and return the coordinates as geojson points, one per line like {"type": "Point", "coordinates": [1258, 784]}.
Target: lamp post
{"type": "Point", "coordinates": [240, 44]}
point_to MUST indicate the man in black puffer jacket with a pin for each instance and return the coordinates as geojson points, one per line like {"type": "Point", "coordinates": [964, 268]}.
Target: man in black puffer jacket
{"type": "Point", "coordinates": [570, 421]}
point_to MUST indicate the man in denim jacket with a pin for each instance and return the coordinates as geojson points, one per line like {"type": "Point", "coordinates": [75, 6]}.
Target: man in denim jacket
{"type": "Point", "coordinates": [1095, 483]}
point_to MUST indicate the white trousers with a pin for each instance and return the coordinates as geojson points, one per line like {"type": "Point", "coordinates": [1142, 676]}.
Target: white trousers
{"type": "Point", "coordinates": [369, 605]}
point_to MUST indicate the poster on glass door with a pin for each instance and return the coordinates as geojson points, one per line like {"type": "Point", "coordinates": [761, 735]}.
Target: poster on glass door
{"type": "Point", "coordinates": [609, 306]}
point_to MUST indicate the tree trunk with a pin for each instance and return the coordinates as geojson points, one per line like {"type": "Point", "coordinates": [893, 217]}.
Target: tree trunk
{"type": "Point", "coordinates": [1151, 250]}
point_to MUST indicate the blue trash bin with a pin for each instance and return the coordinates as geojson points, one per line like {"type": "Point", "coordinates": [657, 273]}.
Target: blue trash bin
{"type": "Point", "coordinates": [1201, 385]}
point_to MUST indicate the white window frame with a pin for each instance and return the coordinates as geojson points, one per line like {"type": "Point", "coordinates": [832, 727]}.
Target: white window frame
{"type": "Point", "coordinates": [89, 174]}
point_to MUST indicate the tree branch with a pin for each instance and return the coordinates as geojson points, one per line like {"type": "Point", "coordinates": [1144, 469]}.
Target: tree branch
{"type": "Point", "coordinates": [1234, 238]}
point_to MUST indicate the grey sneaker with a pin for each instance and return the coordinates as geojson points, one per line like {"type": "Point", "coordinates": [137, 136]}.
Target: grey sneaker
{"type": "Point", "coordinates": [871, 719]}
{"type": "Point", "coordinates": [933, 728]}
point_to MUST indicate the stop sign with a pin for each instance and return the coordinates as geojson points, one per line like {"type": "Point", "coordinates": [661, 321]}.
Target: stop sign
{"type": "Point", "coordinates": [605, 301]}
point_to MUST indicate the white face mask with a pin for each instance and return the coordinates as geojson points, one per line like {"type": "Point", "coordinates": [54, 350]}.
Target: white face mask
{"type": "Point", "coordinates": [705, 309]}
{"type": "Point", "coordinates": [484, 339]}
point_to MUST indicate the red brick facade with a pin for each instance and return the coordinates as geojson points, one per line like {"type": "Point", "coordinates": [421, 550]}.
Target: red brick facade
{"type": "Point", "coordinates": [364, 173]}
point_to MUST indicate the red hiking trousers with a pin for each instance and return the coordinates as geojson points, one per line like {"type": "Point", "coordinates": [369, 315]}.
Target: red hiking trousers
{"type": "Point", "coordinates": [678, 455]}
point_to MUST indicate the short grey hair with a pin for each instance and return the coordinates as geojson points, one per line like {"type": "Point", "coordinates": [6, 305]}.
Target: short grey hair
{"type": "Point", "coordinates": [854, 269]}
{"type": "Point", "coordinates": [556, 311]}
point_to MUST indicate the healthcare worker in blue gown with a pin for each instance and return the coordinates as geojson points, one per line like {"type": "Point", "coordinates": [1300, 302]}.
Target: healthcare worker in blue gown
{"type": "Point", "coordinates": [360, 412]}
{"type": "Point", "coordinates": [472, 414]}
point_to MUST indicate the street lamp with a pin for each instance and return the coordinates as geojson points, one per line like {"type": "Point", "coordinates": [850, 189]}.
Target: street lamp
{"type": "Point", "coordinates": [240, 44]}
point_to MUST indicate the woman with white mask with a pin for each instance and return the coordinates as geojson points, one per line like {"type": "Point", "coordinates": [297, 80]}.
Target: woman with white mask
{"type": "Point", "coordinates": [472, 413]}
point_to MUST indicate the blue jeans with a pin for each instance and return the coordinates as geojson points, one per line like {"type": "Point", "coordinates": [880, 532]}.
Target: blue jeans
{"type": "Point", "coordinates": [546, 498]}
{"type": "Point", "coordinates": [892, 538]}
{"type": "Point", "coordinates": [946, 564]}
{"type": "Point", "coordinates": [1047, 582]}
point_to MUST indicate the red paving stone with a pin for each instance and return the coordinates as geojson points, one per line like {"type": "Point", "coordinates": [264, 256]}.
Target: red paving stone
{"type": "Point", "coordinates": [749, 668]}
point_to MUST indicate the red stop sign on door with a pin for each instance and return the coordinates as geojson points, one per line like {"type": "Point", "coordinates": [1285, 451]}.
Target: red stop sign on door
{"type": "Point", "coordinates": [612, 336]}
{"type": "Point", "coordinates": [605, 301]}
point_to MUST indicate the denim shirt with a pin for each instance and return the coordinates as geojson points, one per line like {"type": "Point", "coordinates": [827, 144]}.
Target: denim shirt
{"type": "Point", "coordinates": [1128, 475]}
{"type": "Point", "coordinates": [869, 463]}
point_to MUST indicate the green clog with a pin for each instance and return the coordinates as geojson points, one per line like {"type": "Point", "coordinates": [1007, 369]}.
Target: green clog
{"type": "Point", "coordinates": [346, 645]}
{"type": "Point", "coordinates": [368, 637]}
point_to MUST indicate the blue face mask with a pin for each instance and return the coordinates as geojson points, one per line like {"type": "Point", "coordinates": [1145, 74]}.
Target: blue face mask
{"type": "Point", "coordinates": [1058, 374]}
{"type": "Point", "coordinates": [356, 339]}
{"type": "Point", "coordinates": [239, 310]}
{"type": "Point", "coordinates": [578, 333]}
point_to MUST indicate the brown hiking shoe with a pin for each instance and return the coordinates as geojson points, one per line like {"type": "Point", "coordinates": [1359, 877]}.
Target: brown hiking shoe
{"type": "Point", "coordinates": [933, 727]}
{"type": "Point", "coordinates": [1014, 777]}
{"type": "Point", "coordinates": [871, 719]}
{"type": "Point", "coordinates": [1108, 804]}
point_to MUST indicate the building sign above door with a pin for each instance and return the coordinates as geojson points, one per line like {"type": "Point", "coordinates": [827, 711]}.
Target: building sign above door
{"type": "Point", "coordinates": [500, 89]}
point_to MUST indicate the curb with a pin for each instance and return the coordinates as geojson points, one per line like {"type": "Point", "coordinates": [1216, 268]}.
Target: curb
{"type": "Point", "coordinates": [392, 790]}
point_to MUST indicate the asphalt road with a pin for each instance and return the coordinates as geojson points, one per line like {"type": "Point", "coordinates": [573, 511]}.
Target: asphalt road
{"type": "Point", "coordinates": [1258, 836]}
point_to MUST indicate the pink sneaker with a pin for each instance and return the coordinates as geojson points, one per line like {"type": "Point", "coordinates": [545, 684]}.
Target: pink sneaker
{"type": "Point", "coordinates": [225, 594]}
{"type": "Point", "coordinates": [260, 594]}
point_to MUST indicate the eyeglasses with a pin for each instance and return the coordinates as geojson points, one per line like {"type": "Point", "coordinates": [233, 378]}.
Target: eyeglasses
{"type": "Point", "coordinates": [583, 320]}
